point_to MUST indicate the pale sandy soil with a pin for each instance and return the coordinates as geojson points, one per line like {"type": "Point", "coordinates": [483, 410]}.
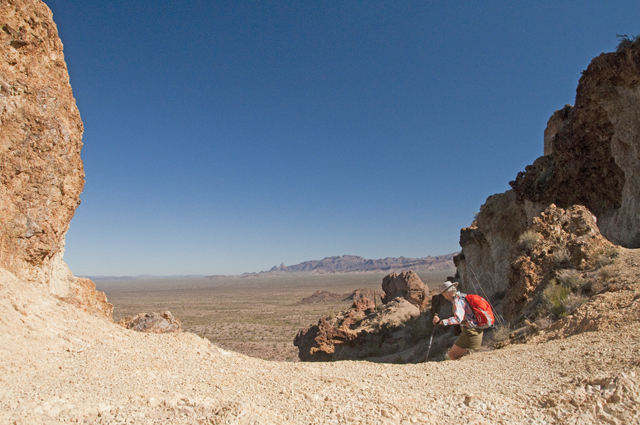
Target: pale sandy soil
{"type": "Point", "coordinates": [58, 364]}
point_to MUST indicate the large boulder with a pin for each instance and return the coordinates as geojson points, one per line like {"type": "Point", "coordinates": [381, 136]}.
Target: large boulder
{"type": "Point", "coordinates": [42, 175]}
{"type": "Point", "coordinates": [557, 241]}
{"type": "Point", "coordinates": [406, 285]}
{"type": "Point", "coordinates": [397, 332]}
{"type": "Point", "coordinates": [158, 323]}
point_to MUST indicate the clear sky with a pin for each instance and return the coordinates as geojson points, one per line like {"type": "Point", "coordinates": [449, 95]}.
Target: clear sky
{"type": "Point", "coordinates": [224, 137]}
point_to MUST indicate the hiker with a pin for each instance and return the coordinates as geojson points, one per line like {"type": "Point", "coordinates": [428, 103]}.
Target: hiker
{"type": "Point", "coordinates": [470, 337]}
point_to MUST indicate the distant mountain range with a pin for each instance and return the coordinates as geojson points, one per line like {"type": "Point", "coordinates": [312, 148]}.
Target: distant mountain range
{"type": "Point", "coordinates": [337, 264]}
{"type": "Point", "coordinates": [354, 263]}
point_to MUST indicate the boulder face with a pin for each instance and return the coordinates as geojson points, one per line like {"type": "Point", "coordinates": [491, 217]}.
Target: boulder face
{"type": "Point", "coordinates": [591, 158]}
{"type": "Point", "coordinates": [42, 174]}
{"type": "Point", "coordinates": [158, 323]}
{"type": "Point", "coordinates": [406, 285]}
{"type": "Point", "coordinates": [395, 331]}
{"type": "Point", "coordinates": [560, 245]}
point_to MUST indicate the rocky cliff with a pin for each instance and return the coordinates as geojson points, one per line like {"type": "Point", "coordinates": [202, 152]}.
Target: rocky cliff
{"type": "Point", "coordinates": [591, 158]}
{"type": "Point", "coordinates": [41, 175]}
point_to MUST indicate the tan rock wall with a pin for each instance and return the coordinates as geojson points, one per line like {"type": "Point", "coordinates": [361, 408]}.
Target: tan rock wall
{"type": "Point", "coordinates": [483, 266]}
{"type": "Point", "coordinates": [41, 174]}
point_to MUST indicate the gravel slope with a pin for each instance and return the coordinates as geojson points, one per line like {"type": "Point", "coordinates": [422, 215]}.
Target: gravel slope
{"type": "Point", "coordinates": [59, 365]}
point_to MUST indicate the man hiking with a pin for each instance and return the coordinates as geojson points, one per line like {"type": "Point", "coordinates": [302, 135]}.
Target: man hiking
{"type": "Point", "coordinates": [471, 336]}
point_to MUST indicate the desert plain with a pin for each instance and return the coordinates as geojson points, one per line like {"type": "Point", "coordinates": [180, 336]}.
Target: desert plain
{"type": "Point", "coordinates": [256, 316]}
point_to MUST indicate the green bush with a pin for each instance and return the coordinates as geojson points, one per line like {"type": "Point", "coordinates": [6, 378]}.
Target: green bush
{"type": "Point", "coordinates": [529, 239]}
{"type": "Point", "coordinates": [553, 296]}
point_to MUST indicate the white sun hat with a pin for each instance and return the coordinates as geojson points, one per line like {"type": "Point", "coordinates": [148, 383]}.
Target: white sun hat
{"type": "Point", "coordinates": [446, 286]}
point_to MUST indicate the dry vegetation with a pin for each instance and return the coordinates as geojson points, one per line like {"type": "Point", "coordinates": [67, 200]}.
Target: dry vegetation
{"type": "Point", "coordinates": [258, 317]}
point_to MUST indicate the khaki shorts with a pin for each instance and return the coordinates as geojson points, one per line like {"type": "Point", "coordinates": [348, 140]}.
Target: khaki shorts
{"type": "Point", "coordinates": [470, 338]}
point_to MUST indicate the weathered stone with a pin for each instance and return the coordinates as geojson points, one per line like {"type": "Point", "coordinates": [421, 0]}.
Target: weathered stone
{"type": "Point", "coordinates": [406, 285]}
{"type": "Point", "coordinates": [554, 124]}
{"type": "Point", "coordinates": [592, 158]}
{"type": "Point", "coordinates": [560, 239]}
{"type": "Point", "coordinates": [363, 303]}
{"type": "Point", "coordinates": [42, 175]}
{"type": "Point", "coordinates": [396, 331]}
{"type": "Point", "coordinates": [596, 149]}
{"type": "Point", "coordinates": [152, 323]}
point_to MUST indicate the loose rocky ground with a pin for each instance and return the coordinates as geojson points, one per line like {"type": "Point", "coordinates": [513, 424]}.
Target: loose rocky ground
{"type": "Point", "coordinates": [59, 364]}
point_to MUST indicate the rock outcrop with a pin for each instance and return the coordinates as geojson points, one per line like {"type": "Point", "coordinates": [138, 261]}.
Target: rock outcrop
{"type": "Point", "coordinates": [395, 331]}
{"type": "Point", "coordinates": [595, 155]}
{"type": "Point", "coordinates": [406, 285]}
{"type": "Point", "coordinates": [591, 158]}
{"type": "Point", "coordinates": [558, 243]}
{"type": "Point", "coordinates": [157, 323]}
{"type": "Point", "coordinates": [42, 174]}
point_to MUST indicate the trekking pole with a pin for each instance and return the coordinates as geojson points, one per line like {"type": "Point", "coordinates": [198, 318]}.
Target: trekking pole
{"type": "Point", "coordinates": [433, 330]}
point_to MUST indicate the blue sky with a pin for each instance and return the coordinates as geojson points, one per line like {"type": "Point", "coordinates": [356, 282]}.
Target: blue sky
{"type": "Point", "coordinates": [229, 137]}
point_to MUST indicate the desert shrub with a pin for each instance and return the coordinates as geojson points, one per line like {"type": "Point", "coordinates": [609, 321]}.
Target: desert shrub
{"type": "Point", "coordinates": [573, 280]}
{"type": "Point", "coordinates": [500, 333]}
{"type": "Point", "coordinates": [529, 239]}
{"type": "Point", "coordinates": [606, 273]}
{"type": "Point", "coordinates": [553, 296]}
{"type": "Point", "coordinates": [605, 256]}
{"type": "Point", "coordinates": [569, 278]}
{"type": "Point", "coordinates": [626, 41]}
{"type": "Point", "coordinates": [544, 322]}
{"type": "Point", "coordinates": [572, 302]}
{"type": "Point", "coordinates": [560, 256]}
{"type": "Point", "coordinates": [587, 286]}
{"type": "Point", "coordinates": [602, 261]}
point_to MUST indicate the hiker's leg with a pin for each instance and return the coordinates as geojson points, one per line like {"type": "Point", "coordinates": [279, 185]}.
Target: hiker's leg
{"type": "Point", "coordinates": [456, 352]}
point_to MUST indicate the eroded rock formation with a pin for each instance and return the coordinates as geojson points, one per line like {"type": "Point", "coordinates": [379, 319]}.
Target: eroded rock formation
{"type": "Point", "coordinates": [595, 159]}
{"type": "Point", "coordinates": [406, 285]}
{"type": "Point", "coordinates": [158, 323]}
{"type": "Point", "coordinates": [395, 331]}
{"type": "Point", "coordinates": [557, 240]}
{"type": "Point", "coordinates": [42, 174]}
{"type": "Point", "coordinates": [591, 158]}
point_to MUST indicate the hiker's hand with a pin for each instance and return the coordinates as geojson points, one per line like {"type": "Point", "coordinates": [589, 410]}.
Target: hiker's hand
{"type": "Point", "coordinates": [436, 319]}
